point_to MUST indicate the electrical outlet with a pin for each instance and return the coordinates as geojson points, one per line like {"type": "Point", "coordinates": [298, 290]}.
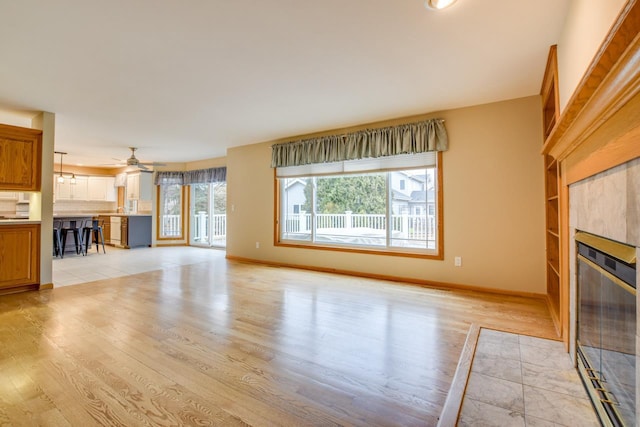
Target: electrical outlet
{"type": "Point", "coordinates": [257, 245]}
{"type": "Point", "coordinates": [457, 261]}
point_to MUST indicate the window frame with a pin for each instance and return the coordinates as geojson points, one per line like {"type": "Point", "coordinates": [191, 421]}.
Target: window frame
{"type": "Point", "coordinates": [437, 254]}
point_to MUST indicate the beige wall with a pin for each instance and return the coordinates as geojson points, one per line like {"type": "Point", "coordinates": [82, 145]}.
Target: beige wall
{"type": "Point", "coordinates": [587, 24]}
{"type": "Point", "coordinates": [41, 203]}
{"type": "Point", "coordinates": [493, 209]}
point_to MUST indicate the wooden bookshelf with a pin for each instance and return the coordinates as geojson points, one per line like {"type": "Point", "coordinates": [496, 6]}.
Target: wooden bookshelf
{"type": "Point", "coordinates": [550, 117]}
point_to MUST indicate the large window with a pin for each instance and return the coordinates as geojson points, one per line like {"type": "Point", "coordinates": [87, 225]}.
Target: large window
{"type": "Point", "coordinates": [364, 206]}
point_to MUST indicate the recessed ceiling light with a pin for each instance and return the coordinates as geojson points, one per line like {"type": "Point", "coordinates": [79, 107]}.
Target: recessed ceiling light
{"type": "Point", "coordinates": [438, 4]}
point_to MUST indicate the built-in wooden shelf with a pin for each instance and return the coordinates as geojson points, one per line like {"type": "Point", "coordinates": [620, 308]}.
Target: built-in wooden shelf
{"type": "Point", "coordinates": [550, 117]}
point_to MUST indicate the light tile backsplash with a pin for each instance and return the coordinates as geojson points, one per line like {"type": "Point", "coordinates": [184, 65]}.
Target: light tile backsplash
{"type": "Point", "coordinates": [81, 207]}
{"type": "Point", "coordinates": [7, 207]}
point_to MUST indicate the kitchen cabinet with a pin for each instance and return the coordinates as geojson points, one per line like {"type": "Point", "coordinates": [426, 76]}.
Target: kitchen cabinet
{"type": "Point", "coordinates": [68, 191]}
{"type": "Point", "coordinates": [20, 249]}
{"type": "Point", "coordinates": [91, 188]}
{"type": "Point", "coordinates": [135, 231]}
{"type": "Point", "coordinates": [20, 158]}
{"type": "Point", "coordinates": [105, 221]}
{"type": "Point", "coordinates": [126, 231]}
{"type": "Point", "coordinates": [102, 188]}
{"type": "Point", "coordinates": [139, 186]}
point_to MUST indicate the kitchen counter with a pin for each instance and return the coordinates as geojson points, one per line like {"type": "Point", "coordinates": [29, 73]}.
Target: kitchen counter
{"type": "Point", "coordinates": [16, 221]}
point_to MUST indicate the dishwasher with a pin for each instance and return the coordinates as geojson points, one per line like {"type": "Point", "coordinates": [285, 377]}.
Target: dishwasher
{"type": "Point", "coordinates": [116, 233]}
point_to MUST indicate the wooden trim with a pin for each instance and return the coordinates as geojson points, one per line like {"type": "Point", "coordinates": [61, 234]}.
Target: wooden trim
{"type": "Point", "coordinates": [158, 215]}
{"type": "Point", "coordinates": [453, 404]}
{"type": "Point", "coordinates": [611, 80]}
{"type": "Point", "coordinates": [354, 250]}
{"type": "Point", "coordinates": [563, 217]}
{"type": "Point", "coordinates": [555, 317]}
{"type": "Point", "coordinates": [618, 151]}
{"type": "Point", "coordinates": [440, 243]}
{"type": "Point", "coordinates": [19, 131]}
{"type": "Point", "coordinates": [409, 280]}
{"type": "Point", "coordinates": [276, 209]}
{"type": "Point", "coordinates": [17, 289]}
{"type": "Point", "coordinates": [550, 93]}
{"type": "Point", "coordinates": [186, 214]}
{"type": "Point", "coordinates": [45, 286]}
{"type": "Point", "coordinates": [438, 254]}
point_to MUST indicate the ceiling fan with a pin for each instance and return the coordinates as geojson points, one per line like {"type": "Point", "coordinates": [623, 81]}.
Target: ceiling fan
{"type": "Point", "coordinates": [134, 162]}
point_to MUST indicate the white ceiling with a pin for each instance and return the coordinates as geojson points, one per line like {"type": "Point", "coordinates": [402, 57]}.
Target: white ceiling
{"type": "Point", "coordinates": [185, 80]}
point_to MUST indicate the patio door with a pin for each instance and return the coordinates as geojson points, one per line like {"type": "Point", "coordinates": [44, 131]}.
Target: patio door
{"type": "Point", "coordinates": [208, 214]}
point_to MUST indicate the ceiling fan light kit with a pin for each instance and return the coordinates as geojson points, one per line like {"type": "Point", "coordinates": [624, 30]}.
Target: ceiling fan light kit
{"type": "Point", "coordinates": [133, 163]}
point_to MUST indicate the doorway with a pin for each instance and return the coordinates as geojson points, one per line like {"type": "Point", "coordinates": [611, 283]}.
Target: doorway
{"type": "Point", "coordinates": [208, 214]}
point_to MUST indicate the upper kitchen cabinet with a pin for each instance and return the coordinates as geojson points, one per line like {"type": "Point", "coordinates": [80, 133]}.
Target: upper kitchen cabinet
{"type": "Point", "coordinates": [20, 158]}
{"type": "Point", "coordinates": [91, 188]}
{"type": "Point", "coordinates": [139, 186]}
{"type": "Point", "coordinates": [67, 190]}
{"type": "Point", "coordinates": [102, 188]}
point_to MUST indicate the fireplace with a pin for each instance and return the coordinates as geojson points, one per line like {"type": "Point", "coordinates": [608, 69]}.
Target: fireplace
{"type": "Point", "coordinates": [606, 326]}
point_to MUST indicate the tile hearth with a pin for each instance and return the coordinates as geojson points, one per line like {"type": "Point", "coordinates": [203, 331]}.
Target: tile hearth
{"type": "Point", "coordinates": [516, 380]}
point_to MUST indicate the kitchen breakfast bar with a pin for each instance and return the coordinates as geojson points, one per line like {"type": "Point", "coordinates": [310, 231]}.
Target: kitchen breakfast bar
{"type": "Point", "coordinates": [121, 230]}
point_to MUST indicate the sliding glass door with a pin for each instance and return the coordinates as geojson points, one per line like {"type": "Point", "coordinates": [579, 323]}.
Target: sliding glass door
{"type": "Point", "coordinates": [208, 214]}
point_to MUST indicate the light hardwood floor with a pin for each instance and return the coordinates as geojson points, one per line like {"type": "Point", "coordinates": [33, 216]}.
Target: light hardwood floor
{"type": "Point", "coordinates": [228, 343]}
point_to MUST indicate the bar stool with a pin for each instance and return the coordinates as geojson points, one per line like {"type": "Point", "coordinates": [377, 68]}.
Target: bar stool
{"type": "Point", "coordinates": [93, 228]}
{"type": "Point", "coordinates": [57, 242]}
{"type": "Point", "coordinates": [72, 227]}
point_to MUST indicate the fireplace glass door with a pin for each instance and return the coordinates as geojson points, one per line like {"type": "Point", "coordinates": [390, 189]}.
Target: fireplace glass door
{"type": "Point", "coordinates": [606, 334]}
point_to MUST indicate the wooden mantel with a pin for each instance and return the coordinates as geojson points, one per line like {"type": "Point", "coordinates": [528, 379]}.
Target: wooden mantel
{"type": "Point", "coordinates": [600, 126]}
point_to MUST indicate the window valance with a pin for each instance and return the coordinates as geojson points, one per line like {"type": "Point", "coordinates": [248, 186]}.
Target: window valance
{"type": "Point", "coordinates": [420, 137]}
{"type": "Point", "coordinates": [205, 176]}
{"type": "Point", "coordinates": [169, 178]}
{"type": "Point", "coordinates": [199, 176]}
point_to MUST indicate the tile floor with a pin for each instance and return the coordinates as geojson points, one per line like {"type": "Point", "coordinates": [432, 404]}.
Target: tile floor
{"type": "Point", "coordinates": [517, 380]}
{"type": "Point", "coordinates": [75, 269]}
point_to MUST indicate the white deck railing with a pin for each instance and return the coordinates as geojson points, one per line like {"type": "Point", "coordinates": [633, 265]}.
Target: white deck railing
{"type": "Point", "coordinates": [414, 227]}
{"type": "Point", "coordinates": [171, 227]}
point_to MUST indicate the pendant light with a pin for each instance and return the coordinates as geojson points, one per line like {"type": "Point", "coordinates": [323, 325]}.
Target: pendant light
{"type": "Point", "coordinates": [60, 177]}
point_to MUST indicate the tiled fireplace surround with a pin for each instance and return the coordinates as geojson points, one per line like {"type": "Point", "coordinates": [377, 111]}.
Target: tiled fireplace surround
{"type": "Point", "coordinates": [608, 205]}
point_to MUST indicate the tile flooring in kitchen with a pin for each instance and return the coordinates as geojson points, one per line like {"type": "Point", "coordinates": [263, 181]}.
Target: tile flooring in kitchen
{"type": "Point", "coordinates": [517, 380]}
{"type": "Point", "coordinates": [75, 269]}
